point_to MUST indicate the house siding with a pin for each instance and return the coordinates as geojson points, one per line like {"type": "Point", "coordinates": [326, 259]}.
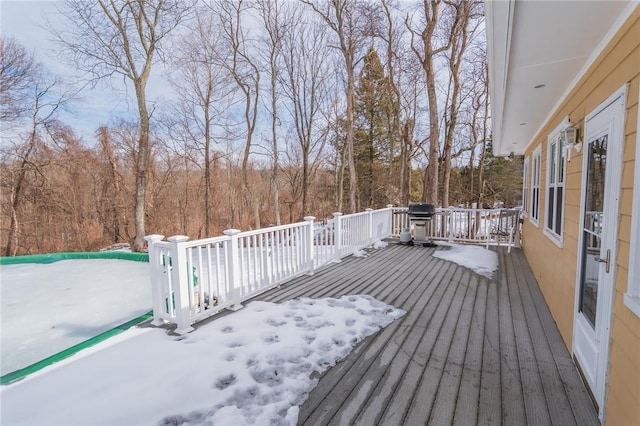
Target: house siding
{"type": "Point", "coordinates": [555, 267]}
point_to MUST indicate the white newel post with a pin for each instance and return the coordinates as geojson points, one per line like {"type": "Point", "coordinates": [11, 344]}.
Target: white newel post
{"type": "Point", "coordinates": [450, 225]}
{"type": "Point", "coordinates": [475, 222]}
{"type": "Point", "coordinates": [369, 225]}
{"type": "Point", "coordinates": [180, 276]}
{"type": "Point", "coordinates": [337, 234]}
{"type": "Point", "coordinates": [233, 263]}
{"type": "Point", "coordinates": [310, 248]}
{"type": "Point", "coordinates": [155, 263]}
{"type": "Point", "coordinates": [390, 208]}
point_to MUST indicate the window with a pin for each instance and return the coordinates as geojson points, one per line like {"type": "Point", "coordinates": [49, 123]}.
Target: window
{"type": "Point", "coordinates": [535, 186]}
{"type": "Point", "coordinates": [632, 296]}
{"type": "Point", "coordinates": [525, 186]}
{"type": "Point", "coordinates": [555, 187]}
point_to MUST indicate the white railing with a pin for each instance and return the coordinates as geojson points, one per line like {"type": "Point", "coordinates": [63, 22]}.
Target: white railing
{"type": "Point", "coordinates": [192, 280]}
{"type": "Point", "coordinates": [479, 226]}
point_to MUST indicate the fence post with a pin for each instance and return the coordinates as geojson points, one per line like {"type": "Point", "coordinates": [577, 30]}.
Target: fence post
{"type": "Point", "coordinates": [235, 275]}
{"type": "Point", "coordinates": [369, 224]}
{"type": "Point", "coordinates": [310, 248]}
{"type": "Point", "coordinates": [391, 224]}
{"type": "Point", "coordinates": [337, 235]}
{"type": "Point", "coordinates": [450, 225]}
{"type": "Point", "coordinates": [475, 221]}
{"type": "Point", "coordinates": [180, 276]}
{"type": "Point", "coordinates": [155, 264]}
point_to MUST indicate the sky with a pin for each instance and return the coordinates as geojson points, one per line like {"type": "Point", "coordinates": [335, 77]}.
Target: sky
{"type": "Point", "coordinates": [250, 366]}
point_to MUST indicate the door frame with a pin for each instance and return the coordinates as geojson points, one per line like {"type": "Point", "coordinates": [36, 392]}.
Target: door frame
{"type": "Point", "coordinates": [604, 308]}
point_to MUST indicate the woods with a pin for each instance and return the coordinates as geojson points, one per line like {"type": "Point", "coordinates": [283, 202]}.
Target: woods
{"type": "Point", "coordinates": [270, 111]}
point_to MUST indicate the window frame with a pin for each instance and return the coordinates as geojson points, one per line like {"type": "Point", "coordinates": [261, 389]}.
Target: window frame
{"type": "Point", "coordinates": [525, 186]}
{"type": "Point", "coordinates": [536, 178]}
{"type": "Point", "coordinates": [556, 175]}
{"type": "Point", "coordinates": [632, 296]}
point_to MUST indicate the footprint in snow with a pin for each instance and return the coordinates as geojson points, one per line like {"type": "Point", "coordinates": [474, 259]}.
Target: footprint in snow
{"type": "Point", "coordinates": [225, 381]}
{"type": "Point", "coordinates": [272, 339]}
{"type": "Point", "coordinates": [274, 322]}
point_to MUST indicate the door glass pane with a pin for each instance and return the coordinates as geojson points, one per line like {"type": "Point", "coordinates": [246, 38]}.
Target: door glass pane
{"type": "Point", "coordinates": [592, 227]}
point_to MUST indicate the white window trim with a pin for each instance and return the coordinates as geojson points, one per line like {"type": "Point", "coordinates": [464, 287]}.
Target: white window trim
{"type": "Point", "coordinates": [526, 186]}
{"type": "Point", "coordinates": [537, 153]}
{"type": "Point", "coordinates": [553, 137]}
{"type": "Point", "coordinates": [632, 296]}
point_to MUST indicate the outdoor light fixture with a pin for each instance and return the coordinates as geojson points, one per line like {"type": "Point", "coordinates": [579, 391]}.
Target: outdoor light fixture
{"type": "Point", "coordinates": [570, 137]}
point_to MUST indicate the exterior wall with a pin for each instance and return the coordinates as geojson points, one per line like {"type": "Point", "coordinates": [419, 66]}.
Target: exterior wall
{"type": "Point", "coordinates": [555, 267]}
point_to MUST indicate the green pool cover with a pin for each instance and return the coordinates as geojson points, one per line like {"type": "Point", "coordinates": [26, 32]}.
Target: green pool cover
{"type": "Point", "coordinates": [55, 257]}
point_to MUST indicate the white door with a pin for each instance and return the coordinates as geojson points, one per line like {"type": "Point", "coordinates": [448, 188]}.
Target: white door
{"type": "Point", "coordinates": [602, 165]}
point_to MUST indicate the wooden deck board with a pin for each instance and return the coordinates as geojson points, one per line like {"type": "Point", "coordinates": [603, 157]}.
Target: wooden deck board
{"type": "Point", "coordinates": [513, 408]}
{"type": "Point", "coordinates": [466, 410]}
{"type": "Point", "coordinates": [470, 350]}
{"type": "Point", "coordinates": [490, 400]}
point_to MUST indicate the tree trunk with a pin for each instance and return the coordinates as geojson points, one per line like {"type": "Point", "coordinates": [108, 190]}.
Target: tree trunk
{"type": "Point", "coordinates": [274, 136]}
{"type": "Point", "coordinates": [353, 184]}
{"type": "Point", "coordinates": [207, 169]}
{"type": "Point", "coordinates": [142, 161]}
{"type": "Point", "coordinates": [405, 162]}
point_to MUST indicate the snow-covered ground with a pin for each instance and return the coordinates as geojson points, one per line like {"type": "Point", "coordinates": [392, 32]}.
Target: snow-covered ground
{"type": "Point", "coordinates": [253, 366]}
{"type": "Point", "coordinates": [46, 308]}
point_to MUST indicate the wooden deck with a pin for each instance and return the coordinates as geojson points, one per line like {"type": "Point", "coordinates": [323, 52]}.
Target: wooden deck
{"type": "Point", "coordinates": [470, 350]}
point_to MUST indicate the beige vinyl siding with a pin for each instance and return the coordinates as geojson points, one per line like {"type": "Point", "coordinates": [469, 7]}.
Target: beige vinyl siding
{"type": "Point", "coordinates": [555, 267]}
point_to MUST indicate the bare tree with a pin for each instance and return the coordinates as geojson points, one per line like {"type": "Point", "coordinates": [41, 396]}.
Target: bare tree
{"type": "Point", "coordinates": [202, 86]}
{"type": "Point", "coordinates": [391, 38]}
{"type": "Point", "coordinates": [346, 21]}
{"type": "Point", "coordinates": [305, 88]}
{"type": "Point", "coordinates": [16, 71]}
{"type": "Point", "coordinates": [275, 24]}
{"type": "Point", "coordinates": [115, 221]}
{"type": "Point", "coordinates": [465, 26]}
{"type": "Point", "coordinates": [246, 74]}
{"type": "Point", "coordinates": [122, 37]}
{"type": "Point", "coordinates": [29, 103]}
{"type": "Point", "coordinates": [426, 49]}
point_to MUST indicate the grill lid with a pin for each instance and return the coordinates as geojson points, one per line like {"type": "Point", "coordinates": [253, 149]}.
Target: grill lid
{"type": "Point", "coordinates": [421, 209]}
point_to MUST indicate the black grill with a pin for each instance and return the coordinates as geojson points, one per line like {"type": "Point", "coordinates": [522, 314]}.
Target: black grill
{"type": "Point", "coordinates": [421, 211]}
